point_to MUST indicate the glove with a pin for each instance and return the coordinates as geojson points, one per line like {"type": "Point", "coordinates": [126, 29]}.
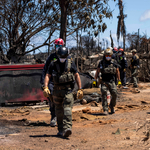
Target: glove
{"type": "Point", "coordinates": [80, 94]}
{"type": "Point", "coordinates": [119, 83]}
{"type": "Point", "coordinates": [94, 84]}
{"type": "Point", "coordinates": [124, 69]}
{"type": "Point", "coordinates": [46, 92]}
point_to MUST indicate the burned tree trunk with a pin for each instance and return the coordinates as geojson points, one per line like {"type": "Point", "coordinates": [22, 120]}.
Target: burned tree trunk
{"type": "Point", "coordinates": [112, 42]}
{"type": "Point", "coordinates": [64, 6]}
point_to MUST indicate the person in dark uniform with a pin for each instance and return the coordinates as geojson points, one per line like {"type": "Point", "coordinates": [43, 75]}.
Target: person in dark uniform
{"type": "Point", "coordinates": [134, 66]}
{"type": "Point", "coordinates": [58, 43]}
{"type": "Point", "coordinates": [64, 73]}
{"type": "Point", "coordinates": [108, 68]}
{"type": "Point", "coordinates": [115, 52]}
{"type": "Point", "coordinates": [115, 56]}
{"type": "Point", "coordinates": [122, 61]}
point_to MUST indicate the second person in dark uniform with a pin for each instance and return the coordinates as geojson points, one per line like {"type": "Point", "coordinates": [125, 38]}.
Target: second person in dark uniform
{"type": "Point", "coordinates": [134, 66]}
{"type": "Point", "coordinates": [108, 69]}
{"type": "Point", "coordinates": [122, 61]}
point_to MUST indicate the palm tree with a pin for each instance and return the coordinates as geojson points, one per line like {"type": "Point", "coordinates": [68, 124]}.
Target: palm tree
{"type": "Point", "coordinates": [121, 29]}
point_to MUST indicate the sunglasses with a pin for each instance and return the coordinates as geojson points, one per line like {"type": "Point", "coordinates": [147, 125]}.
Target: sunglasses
{"type": "Point", "coordinates": [58, 46]}
{"type": "Point", "coordinates": [108, 55]}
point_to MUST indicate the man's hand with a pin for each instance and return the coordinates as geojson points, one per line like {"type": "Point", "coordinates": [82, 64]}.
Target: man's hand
{"type": "Point", "coordinates": [80, 94]}
{"type": "Point", "coordinates": [119, 83]}
{"type": "Point", "coordinates": [46, 92]}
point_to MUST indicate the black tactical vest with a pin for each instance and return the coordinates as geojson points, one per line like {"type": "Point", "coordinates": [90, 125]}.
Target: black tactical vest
{"type": "Point", "coordinates": [65, 77]}
{"type": "Point", "coordinates": [108, 69]}
{"type": "Point", "coordinates": [135, 62]}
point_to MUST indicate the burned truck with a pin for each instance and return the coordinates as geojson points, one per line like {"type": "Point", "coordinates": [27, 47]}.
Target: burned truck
{"type": "Point", "coordinates": [20, 83]}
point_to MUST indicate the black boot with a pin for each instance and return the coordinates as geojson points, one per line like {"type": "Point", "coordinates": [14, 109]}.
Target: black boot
{"type": "Point", "coordinates": [112, 109]}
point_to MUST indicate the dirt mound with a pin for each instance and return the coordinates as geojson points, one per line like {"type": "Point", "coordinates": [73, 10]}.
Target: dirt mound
{"type": "Point", "coordinates": [79, 116]}
{"type": "Point", "coordinates": [14, 112]}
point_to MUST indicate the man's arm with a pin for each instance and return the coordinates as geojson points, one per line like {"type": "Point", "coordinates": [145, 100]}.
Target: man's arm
{"type": "Point", "coordinates": [46, 80]}
{"type": "Point", "coordinates": [78, 80]}
{"type": "Point", "coordinates": [80, 91]}
{"type": "Point", "coordinates": [118, 73]}
{"type": "Point", "coordinates": [45, 69]}
{"type": "Point", "coordinates": [97, 73]}
{"type": "Point", "coordinates": [46, 91]}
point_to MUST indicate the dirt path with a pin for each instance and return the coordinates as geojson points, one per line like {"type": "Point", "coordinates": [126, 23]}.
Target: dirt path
{"type": "Point", "coordinates": [27, 128]}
